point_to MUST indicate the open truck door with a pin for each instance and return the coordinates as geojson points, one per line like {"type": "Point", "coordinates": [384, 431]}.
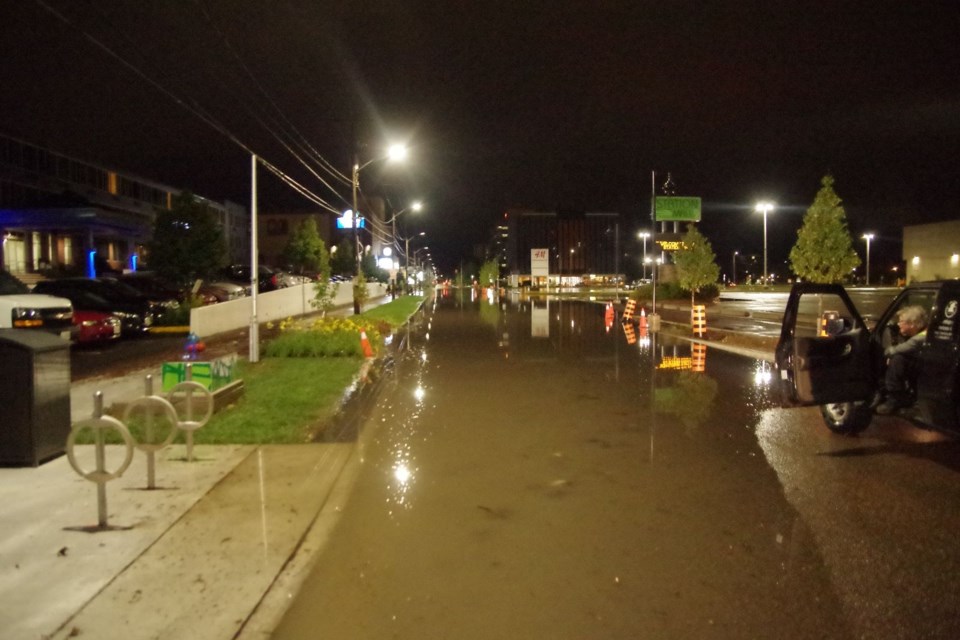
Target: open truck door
{"type": "Point", "coordinates": [824, 358]}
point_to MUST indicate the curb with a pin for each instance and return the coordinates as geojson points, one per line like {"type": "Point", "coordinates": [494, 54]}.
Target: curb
{"type": "Point", "coordinates": [172, 329]}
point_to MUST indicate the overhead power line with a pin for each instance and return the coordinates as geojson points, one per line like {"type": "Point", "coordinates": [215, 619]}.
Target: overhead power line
{"type": "Point", "coordinates": [200, 112]}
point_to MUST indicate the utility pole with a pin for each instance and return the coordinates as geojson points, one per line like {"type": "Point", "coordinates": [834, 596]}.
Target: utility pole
{"type": "Point", "coordinates": [254, 346]}
{"type": "Point", "coordinates": [356, 232]}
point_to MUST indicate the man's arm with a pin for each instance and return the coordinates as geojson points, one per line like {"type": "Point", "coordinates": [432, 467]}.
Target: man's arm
{"type": "Point", "coordinates": [906, 348]}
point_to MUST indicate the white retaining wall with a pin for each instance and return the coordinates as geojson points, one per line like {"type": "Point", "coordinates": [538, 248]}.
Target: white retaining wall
{"type": "Point", "coordinates": [271, 306]}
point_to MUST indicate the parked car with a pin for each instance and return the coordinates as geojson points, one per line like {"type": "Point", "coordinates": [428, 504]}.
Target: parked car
{"type": "Point", "coordinates": [155, 288]}
{"type": "Point", "coordinates": [222, 291]}
{"type": "Point", "coordinates": [136, 313]}
{"type": "Point", "coordinates": [828, 356]}
{"type": "Point", "coordinates": [268, 280]}
{"type": "Point", "coordinates": [290, 279]}
{"type": "Point", "coordinates": [159, 304]}
{"type": "Point", "coordinates": [95, 327]}
{"type": "Point", "coordinates": [21, 309]}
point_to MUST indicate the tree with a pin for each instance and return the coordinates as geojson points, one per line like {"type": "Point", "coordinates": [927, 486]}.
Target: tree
{"type": "Point", "coordinates": [696, 263]}
{"type": "Point", "coordinates": [360, 293]}
{"type": "Point", "coordinates": [343, 260]}
{"type": "Point", "coordinates": [489, 274]}
{"type": "Point", "coordinates": [371, 271]}
{"type": "Point", "coordinates": [187, 241]}
{"type": "Point", "coordinates": [824, 249]}
{"type": "Point", "coordinates": [306, 252]}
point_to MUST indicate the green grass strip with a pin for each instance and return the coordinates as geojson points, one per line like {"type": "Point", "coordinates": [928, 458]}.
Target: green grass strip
{"type": "Point", "coordinates": [289, 399]}
{"type": "Point", "coordinates": [285, 399]}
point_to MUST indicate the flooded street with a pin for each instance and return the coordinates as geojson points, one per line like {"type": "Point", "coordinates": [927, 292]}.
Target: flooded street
{"type": "Point", "coordinates": [526, 472]}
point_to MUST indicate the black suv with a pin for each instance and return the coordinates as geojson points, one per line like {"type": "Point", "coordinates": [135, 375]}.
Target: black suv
{"type": "Point", "coordinates": [828, 356]}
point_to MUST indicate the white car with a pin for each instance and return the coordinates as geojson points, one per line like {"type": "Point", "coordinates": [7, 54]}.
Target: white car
{"type": "Point", "coordinates": [20, 309]}
{"type": "Point", "coordinates": [223, 291]}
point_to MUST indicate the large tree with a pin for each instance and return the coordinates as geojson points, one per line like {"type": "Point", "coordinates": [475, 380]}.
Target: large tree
{"type": "Point", "coordinates": [187, 241]}
{"type": "Point", "coordinates": [824, 249]}
{"type": "Point", "coordinates": [306, 252]}
{"type": "Point", "coordinates": [371, 270]}
{"type": "Point", "coordinates": [696, 263]}
{"type": "Point", "coordinates": [343, 261]}
{"type": "Point", "coordinates": [489, 274]}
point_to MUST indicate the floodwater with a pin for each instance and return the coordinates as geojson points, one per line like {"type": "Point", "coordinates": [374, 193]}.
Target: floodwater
{"type": "Point", "coordinates": [527, 473]}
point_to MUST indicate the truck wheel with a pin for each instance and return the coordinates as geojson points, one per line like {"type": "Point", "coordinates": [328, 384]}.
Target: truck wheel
{"type": "Point", "coordinates": [846, 418]}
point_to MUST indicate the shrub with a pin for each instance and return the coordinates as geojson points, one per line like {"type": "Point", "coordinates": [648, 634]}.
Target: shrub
{"type": "Point", "coordinates": [325, 337]}
{"type": "Point", "coordinates": [708, 293]}
{"type": "Point", "coordinates": [671, 291]}
{"type": "Point", "coordinates": [180, 316]}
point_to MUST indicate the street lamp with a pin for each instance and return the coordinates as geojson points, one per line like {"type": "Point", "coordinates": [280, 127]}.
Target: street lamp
{"type": "Point", "coordinates": [735, 253]}
{"type": "Point", "coordinates": [764, 208]}
{"type": "Point", "coordinates": [406, 257]}
{"type": "Point", "coordinates": [396, 152]}
{"type": "Point", "coordinates": [868, 237]}
{"type": "Point", "coordinates": [416, 258]}
{"type": "Point", "coordinates": [415, 206]}
{"type": "Point", "coordinates": [644, 235]}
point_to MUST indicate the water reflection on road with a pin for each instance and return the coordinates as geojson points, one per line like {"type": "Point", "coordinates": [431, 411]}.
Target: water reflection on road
{"type": "Point", "coordinates": [532, 470]}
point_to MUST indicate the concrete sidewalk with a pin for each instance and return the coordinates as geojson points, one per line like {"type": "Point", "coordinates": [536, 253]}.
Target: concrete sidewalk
{"type": "Point", "coordinates": [194, 558]}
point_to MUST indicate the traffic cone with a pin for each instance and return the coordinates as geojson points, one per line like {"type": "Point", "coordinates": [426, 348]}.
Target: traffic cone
{"type": "Point", "coordinates": [367, 349]}
{"type": "Point", "coordinates": [643, 320]}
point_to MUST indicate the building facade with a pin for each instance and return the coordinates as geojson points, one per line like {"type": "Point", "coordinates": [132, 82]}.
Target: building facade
{"type": "Point", "coordinates": [582, 247]}
{"type": "Point", "coordinates": [275, 229]}
{"type": "Point", "coordinates": [932, 251]}
{"type": "Point", "coordinates": [63, 214]}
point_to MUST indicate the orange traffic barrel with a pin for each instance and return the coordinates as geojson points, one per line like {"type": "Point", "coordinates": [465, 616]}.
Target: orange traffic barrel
{"type": "Point", "coordinates": [699, 319]}
{"type": "Point", "coordinates": [698, 357]}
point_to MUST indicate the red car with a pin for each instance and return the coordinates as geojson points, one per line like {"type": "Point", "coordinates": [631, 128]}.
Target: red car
{"type": "Point", "coordinates": [95, 327]}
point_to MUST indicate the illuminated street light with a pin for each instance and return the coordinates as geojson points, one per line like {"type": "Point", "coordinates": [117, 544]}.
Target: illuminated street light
{"type": "Point", "coordinates": [406, 256]}
{"type": "Point", "coordinates": [415, 206]}
{"type": "Point", "coordinates": [764, 208]}
{"type": "Point", "coordinates": [644, 235]}
{"type": "Point", "coordinates": [735, 254]}
{"type": "Point", "coordinates": [868, 237]}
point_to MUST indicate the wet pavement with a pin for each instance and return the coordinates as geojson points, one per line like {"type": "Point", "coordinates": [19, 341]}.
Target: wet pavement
{"type": "Point", "coordinates": [527, 473]}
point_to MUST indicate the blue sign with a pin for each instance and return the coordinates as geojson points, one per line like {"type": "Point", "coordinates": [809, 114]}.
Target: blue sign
{"type": "Point", "coordinates": [346, 221]}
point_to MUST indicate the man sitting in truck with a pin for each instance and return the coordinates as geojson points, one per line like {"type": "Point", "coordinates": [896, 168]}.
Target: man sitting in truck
{"type": "Point", "coordinates": [903, 360]}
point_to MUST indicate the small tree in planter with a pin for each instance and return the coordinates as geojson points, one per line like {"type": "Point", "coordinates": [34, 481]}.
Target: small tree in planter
{"type": "Point", "coordinates": [696, 262]}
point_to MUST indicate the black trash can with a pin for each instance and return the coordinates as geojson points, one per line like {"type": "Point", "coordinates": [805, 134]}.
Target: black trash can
{"type": "Point", "coordinates": [34, 396]}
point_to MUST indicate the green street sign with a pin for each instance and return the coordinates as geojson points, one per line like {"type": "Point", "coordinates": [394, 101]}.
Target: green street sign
{"type": "Point", "coordinates": [677, 209]}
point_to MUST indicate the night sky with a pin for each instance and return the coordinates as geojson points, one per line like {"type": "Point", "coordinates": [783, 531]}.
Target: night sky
{"type": "Point", "coordinates": [543, 105]}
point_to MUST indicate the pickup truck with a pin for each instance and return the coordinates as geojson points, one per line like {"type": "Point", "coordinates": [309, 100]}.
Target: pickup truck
{"type": "Point", "coordinates": [20, 309]}
{"type": "Point", "coordinates": [828, 356]}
